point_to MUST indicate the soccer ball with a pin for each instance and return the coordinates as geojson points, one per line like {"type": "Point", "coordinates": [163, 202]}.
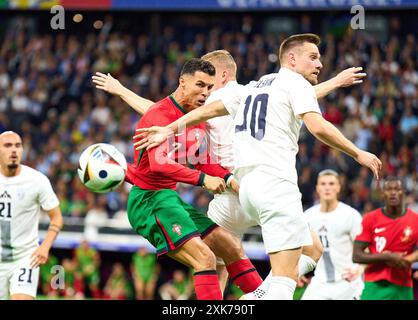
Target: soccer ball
{"type": "Point", "coordinates": [102, 167]}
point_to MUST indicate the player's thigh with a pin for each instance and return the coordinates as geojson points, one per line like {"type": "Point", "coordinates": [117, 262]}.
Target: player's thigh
{"type": "Point", "coordinates": [161, 218]}
{"type": "Point", "coordinates": [316, 291]}
{"type": "Point", "coordinates": [345, 290]}
{"type": "Point", "coordinates": [24, 280]}
{"type": "Point", "coordinates": [6, 271]}
{"type": "Point", "coordinates": [226, 211]}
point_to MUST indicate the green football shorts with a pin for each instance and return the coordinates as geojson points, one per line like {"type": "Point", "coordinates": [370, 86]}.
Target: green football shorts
{"type": "Point", "coordinates": [385, 290]}
{"type": "Point", "coordinates": [164, 219]}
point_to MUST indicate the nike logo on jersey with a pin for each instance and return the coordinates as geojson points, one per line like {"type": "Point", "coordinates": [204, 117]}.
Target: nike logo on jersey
{"type": "Point", "coordinates": [378, 230]}
{"type": "Point", "coordinates": [5, 195]}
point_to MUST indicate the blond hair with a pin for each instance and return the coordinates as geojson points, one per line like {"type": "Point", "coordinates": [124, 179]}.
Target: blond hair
{"type": "Point", "coordinates": [223, 58]}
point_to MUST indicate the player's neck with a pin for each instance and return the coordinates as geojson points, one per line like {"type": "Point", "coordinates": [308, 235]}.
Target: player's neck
{"type": "Point", "coordinates": [10, 172]}
{"type": "Point", "coordinates": [182, 101]}
{"type": "Point", "coordinates": [394, 211]}
{"type": "Point", "coordinates": [287, 66]}
{"type": "Point", "coordinates": [328, 206]}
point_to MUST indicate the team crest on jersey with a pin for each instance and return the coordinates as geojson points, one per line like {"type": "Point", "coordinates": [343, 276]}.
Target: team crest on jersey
{"type": "Point", "coordinates": [177, 229]}
{"type": "Point", "coordinates": [407, 232]}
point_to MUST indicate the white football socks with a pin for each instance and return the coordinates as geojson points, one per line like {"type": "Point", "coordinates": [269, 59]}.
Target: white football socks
{"type": "Point", "coordinates": [281, 288]}
{"type": "Point", "coordinates": [306, 264]}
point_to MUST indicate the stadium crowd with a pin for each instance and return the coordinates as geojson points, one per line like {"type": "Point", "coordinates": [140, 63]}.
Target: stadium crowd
{"type": "Point", "coordinates": [46, 94]}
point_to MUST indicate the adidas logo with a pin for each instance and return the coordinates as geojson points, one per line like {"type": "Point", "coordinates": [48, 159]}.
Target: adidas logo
{"type": "Point", "coordinates": [5, 195]}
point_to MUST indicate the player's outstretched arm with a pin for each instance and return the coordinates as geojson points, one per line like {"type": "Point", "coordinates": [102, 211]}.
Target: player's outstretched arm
{"type": "Point", "coordinates": [345, 78]}
{"type": "Point", "coordinates": [154, 136]}
{"type": "Point", "coordinates": [111, 85]}
{"type": "Point", "coordinates": [330, 135]}
{"type": "Point", "coordinates": [40, 255]}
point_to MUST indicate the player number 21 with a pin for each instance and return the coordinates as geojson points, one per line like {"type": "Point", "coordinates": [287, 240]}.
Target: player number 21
{"type": "Point", "coordinates": [260, 102]}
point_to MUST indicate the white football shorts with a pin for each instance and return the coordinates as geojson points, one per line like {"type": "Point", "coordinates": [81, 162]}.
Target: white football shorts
{"type": "Point", "coordinates": [339, 290]}
{"type": "Point", "coordinates": [226, 211]}
{"type": "Point", "coordinates": [18, 278]}
{"type": "Point", "coordinates": [276, 205]}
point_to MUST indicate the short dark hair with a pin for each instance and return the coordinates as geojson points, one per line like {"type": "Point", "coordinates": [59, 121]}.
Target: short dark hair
{"type": "Point", "coordinates": [393, 179]}
{"type": "Point", "coordinates": [297, 40]}
{"type": "Point", "coordinates": [195, 64]}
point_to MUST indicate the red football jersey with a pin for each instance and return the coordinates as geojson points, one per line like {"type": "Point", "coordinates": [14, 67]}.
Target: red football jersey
{"type": "Point", "coordinates": [162, 167]}
{"type": "Point", "coordinates": [387, 234]}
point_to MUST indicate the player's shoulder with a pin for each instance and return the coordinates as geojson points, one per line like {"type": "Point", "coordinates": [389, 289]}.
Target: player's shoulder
{"type": "Point", "coordinates": [312, 210]}
{"type": "Point", "coordinates": [165, 104]}
{"type": "Point", "coordinates": [348, 209]}
{"type": "Point", "coordinates": [412, 213]}
{"type": "Point", "coordinates": [36, 175]}
{"type": "Point", "coordinates": [231, 89]}
{"type": "Point", "coordinates": [373, 215]}
{"type": "Point", "coordinates": [161, 109]}
{"type": "Point", "coordinates": [292, 79]}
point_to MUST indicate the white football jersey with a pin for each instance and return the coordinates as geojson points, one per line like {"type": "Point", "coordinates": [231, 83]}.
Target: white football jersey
{"type": "Point", "coordinates": [221, 129]}
{"type": "Point", "coordinates": [267, 122]}
{"type": "Point", "coordinates": [21, 198]}
{"type": "Point", "coordinates": [336, 230]}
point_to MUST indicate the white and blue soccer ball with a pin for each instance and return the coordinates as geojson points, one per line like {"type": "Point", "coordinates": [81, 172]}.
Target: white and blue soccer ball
{"type": "Point", "coordinates": [102, 167]}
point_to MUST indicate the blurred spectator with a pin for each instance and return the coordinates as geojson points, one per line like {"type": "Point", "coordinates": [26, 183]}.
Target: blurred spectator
{"type": "Point", "coordinates": [180, 287]}
{"type": "Point", "coordinates": [145, 272]}
{"type": "Point", "coordinates": [117, 286]}
{"type": "Point", "coordinates": [96, 217]}
{"type": "Point", "coordinates": [88, 261]}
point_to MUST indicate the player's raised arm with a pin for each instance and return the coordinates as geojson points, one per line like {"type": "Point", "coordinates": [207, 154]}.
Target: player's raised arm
{"type": "Point", "coordinates": [330, 135]}
{"type": "Point", "coordinates": [113, 86]}
{"type": "Point", "coordinates": [345, 78]}
{"type": "Point", "coordinates": [154, 136]}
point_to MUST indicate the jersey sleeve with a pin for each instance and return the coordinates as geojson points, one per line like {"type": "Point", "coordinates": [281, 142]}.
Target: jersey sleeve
{"type": "Point", "coordinates": [365, 234]}
{"type": "Point", "coordinates": [232, 101]}
{"type": "Point", "coordinates": [47, 198]}
{"type": "Point", "coordinates": [355, 225]}
{"type": "Point", "coordinates": [213, 169]}
{"type": "Point", "coordinates": [302, 97]}
{"type": "Point", "coordinates": [159, 160]}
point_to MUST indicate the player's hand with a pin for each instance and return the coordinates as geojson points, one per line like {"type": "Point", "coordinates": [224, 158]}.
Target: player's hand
{"type": "Point", "coordinates": [40, 256]}
{"type": "Point", "coordinates": [233, 185]}
{"type": "Point", "coordinates": [303, 280]}
{"type": "Point", "coordinates": [107, 83]}
{"type": "Point", "coordinates": [370, 161]}
{"type": "Point", "coordinates": [151, 137]}
{"type": "Point", "coordinates": [350, 76]}
{"type": "Point", "coordinates": [214, 184]}
{"type": "Point", "coordinates": [351, 274]}
{"type": "Point", "coordinates": [396, 260]}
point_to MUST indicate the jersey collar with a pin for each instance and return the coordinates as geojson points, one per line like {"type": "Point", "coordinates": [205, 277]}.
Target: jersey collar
{"type": "Point", "coordinates": [176, 104]}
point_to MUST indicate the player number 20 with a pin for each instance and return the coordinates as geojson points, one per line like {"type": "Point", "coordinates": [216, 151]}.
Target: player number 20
{"type": "Point", "coordinates": [260, 102]}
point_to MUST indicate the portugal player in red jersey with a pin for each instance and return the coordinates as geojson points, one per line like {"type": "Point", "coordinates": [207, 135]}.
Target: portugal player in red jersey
{"type": "Point", "coordinates": [391, 235]}
{"type": "Point", "coordinates": [157, 212]}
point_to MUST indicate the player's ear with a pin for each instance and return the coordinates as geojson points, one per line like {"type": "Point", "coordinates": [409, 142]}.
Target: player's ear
{"type": "Point", "coordinates": [291, 56]}
{"type": "Point", "coordinates": [182, 81]}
